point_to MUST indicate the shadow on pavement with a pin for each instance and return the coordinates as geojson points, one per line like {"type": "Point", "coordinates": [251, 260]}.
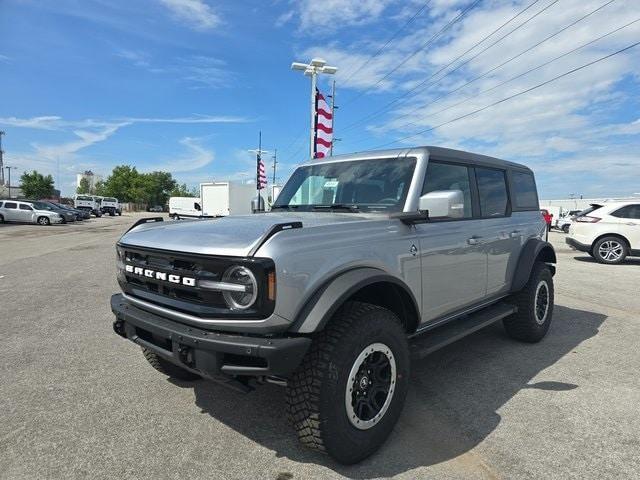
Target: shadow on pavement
{"type": "Point", "coordinates": [627, 261]}
{"type": "Point", "coordinates": [451, 407]}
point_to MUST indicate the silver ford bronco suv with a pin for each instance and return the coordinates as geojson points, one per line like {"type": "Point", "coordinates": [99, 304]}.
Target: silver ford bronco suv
{"type": "Point", "coordinates": [365, 262]}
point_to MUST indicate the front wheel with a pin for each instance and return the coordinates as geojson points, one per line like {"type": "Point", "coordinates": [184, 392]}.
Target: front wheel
{"type": "Point", "coordinates": [565, 228]}
{"type": "Point", "coordinates": [535, 307]}
{"type": "Point", "coordinates": [347, 394]}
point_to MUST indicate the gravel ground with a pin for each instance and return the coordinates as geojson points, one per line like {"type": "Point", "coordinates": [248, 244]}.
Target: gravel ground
{"type": "Point", "coordinates": [79, 402]}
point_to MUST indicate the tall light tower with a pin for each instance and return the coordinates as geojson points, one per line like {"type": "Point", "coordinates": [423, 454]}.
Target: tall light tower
{"type": "Point", "coordinates": [1, 160]}
{"type": "Point", "coordinates": [312, 69]}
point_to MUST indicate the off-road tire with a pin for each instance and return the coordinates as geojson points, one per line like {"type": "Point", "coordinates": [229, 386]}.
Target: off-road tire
{"type": "Point", "coordinates": [526, 324]}
{"type": "Point", "coordinates": [43, 221]}
{"type": "Point", "coordinates": [168, 368]}
{"type": "Point", "coordinates": [598, 255]}
{"type": "Point", "coordinates": [316, 391]}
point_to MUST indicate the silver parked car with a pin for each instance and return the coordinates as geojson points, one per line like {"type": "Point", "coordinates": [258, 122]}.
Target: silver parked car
{"type": "Point", "coordinates": [364, 262]}
{"type": "Point", "coordinates": [28, 212]}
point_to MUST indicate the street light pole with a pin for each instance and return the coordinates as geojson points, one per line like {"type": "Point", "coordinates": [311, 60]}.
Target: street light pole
{"type": "Point", "coordinates": [1, 160]}
{"type": "Point", "coordinates": [9, 176]}
{"type": "Point", "coordinates": [312, 69]}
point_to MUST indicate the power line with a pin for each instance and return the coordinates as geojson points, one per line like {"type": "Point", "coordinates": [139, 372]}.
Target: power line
{"type": "Point", "coordinates": [388, 42]}
{"type": "Point", "coordinates": [434, 37]}
{"type": "Point", "coordinates": [487, 72]}
{"type": "Point", "coordinates": [510, 97]}
{"type": "Point", "coordinates": [409, 92]}
{"type": "Point", "coordinates": [529, 71]}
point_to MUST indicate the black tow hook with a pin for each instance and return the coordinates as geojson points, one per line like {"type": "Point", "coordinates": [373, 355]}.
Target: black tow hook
{"type": "Point", "coordinates": [118, 327]}
{"type": "Point", "coordinates": [186, 355]}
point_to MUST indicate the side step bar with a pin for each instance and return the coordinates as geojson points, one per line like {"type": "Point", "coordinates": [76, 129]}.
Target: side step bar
{"type": "Point", "coordinates": [439, 337]}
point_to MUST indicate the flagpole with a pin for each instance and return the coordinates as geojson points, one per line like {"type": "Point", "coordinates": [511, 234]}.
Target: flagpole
{"type": "Point", "coordinates": [258, 165]}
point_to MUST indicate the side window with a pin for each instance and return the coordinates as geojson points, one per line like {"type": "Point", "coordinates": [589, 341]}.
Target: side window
{"type": "Point", "coordinates": [11, 205]}
{"type": "Point", "coordinates": [630, 211]}
{"type": "Point", "coordinates": [493, 192]}
{"type": "Point", "coordinates": [446, 176]}
{"type": "Point", "coordinates": [25, 207]}
{"type": "Point", "coordinates": [524, 191]}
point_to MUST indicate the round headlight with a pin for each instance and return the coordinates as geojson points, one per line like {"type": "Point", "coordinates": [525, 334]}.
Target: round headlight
{"type": "Point", "coordinates": [240, 276]}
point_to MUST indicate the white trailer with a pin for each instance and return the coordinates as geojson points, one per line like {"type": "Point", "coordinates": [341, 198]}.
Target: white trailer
{"type": "Point", "coordinates": [220, 199]}
{"type": "Point", "coordinates": [184, 207]}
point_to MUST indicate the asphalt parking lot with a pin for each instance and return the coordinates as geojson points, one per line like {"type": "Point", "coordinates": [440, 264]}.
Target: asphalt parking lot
{"type": "Point", "coordinates": [79, 402]}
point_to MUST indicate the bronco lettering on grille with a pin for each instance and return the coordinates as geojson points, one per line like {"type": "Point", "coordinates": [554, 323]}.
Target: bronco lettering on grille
{"type": "Point", "coordinates": [162, 276]}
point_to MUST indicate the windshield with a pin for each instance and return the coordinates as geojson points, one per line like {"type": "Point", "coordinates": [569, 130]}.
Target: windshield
{"type": "Point", "coordinates": [88, 199]}
{"type": "Point", "coordinates": [587, 211]}
{"type": "Point", "coordinates": [43, 206]}
{"type": "Point", "coordinates": [359, 185]}
{"type": "Point", "coordinates": [108, 199]}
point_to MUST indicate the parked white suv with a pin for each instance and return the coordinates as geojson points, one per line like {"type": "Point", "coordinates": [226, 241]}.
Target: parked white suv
{"type": "Point", "coordinates": [608, 232]}
{"type": "Point", "coordinates": [28, 212]}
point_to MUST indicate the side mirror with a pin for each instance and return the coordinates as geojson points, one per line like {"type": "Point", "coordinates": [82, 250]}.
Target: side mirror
{"type": "Point", "coordinates": [443, 204]}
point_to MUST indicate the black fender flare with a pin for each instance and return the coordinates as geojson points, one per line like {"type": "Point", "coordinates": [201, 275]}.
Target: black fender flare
{"type": "Point", "coordinates": [534, 250]}
{"type": "Point", "coordinates": [328, 298]}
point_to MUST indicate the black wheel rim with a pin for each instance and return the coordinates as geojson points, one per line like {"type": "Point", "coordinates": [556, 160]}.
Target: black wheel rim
{"type": "Point", "coordinates": [542, 302]}
{"type": "Point", "coordinates": [370, 386]}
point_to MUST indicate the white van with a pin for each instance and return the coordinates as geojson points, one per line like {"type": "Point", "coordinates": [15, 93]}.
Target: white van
{"type": "Point", "coordinates": [185, 207]}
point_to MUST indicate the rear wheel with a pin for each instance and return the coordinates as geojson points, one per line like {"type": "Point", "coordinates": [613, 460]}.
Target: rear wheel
{"type": "Point", "coordinates": [168, 368]}
{"type": "Point", "coordinates": [610, 250]}
{"type": "Point", "coordinates": [44, 221]}
{"type": "Point", "coordinates": [535, 307]}
{"type": "Point", "coordinates": [1, 219]}
{"type": "Point", "coordinates": [347, 394]}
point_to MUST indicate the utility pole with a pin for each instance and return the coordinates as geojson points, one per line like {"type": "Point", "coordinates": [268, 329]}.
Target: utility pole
{"type": "Point", "coordinates": [275, 162]}
{"type": "Point", "coordinates": [1, 160]}
{"type": "Point", "coordinates": [333, 115]}
{"type": "Point", "coordinates": [312, 69]}
{"type": "Point", "coordinates": [9, 175]}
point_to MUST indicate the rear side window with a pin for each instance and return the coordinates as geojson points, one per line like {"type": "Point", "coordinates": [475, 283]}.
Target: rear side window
{"type": "Point", "coordinates": [630, 211]}
{"type": "Point", "coordinates": [445, 176]}
{"type": "Point", "coordinates": [492, 189]}
{"type": "Point", "coordinates": [10, 205]}
{"type": "Point", "coordinates": [524, 192]}
{"type": "Point", "coordinates": [25, 207]}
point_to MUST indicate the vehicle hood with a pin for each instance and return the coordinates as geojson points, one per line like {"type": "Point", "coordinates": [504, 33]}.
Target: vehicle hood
{"type": "Point", "coordinates": [227, 236]}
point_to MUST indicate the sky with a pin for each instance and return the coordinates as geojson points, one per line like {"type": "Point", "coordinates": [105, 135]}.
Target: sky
{"type": "Point", "coordinates": [186, 85]}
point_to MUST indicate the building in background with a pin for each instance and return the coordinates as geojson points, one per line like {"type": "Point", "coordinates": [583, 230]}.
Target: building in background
{"type": "Point", "coordinates": [91, 177]}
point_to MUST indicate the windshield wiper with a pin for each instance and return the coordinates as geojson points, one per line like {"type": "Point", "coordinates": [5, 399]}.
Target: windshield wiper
{"type": "Point", "coordinates": [337, 206]}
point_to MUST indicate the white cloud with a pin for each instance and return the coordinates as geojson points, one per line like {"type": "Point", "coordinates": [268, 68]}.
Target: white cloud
{"type": "Point", "coordinates": [330, 15]}
{"type": "Point", "coordinates": [4, 58]}
{"type": "Point", "coordinates": [196, 157]}
{"type": "Point", "coordinates": [195, 13]}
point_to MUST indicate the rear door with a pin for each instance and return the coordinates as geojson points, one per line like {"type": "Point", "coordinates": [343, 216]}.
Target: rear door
{"type": "Point", "coordinates": [453, 260]}
{"type": "Point", "coordinates": [629, 223]}
{"type": "Point", "coordinates": [500, 240]}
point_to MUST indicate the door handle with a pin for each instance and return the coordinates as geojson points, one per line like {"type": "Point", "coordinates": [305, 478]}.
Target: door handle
{"type": "Point", "coordinates": [475, 240]}
{"type": "Point", "coordinates": [515, 234]}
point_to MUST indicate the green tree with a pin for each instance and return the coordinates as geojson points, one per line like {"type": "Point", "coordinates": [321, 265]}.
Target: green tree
{"type": "Point", "coordinates": [85, 187]}
{"type": "Point", "coordinates": [182, 191]}
{"type": "Point", "coordinates": [157, 187]}
{"type": "Point", "coordinates": [35, 185]}
{"type": "Point", "coordinates": [100, 189]}
{"type": "Point", "coordinates": [124, 183]}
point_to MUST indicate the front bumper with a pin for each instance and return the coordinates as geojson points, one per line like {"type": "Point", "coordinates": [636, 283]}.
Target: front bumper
{"type": "Point", "coordinates": [210, 354]}
{"type": "Point", "coordinates": [577, 245]}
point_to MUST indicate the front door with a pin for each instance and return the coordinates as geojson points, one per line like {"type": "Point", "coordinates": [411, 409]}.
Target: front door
{"type": "Point", "coordinates": [25, 213]}
{"type": "Point", "coordinates": [453, 258]}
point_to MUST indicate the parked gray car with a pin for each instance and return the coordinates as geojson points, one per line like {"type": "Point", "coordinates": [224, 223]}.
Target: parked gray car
{"type": "Point", "coordinates": [364, 262]}
{"type": "Point", "coordinates": [28, 212]}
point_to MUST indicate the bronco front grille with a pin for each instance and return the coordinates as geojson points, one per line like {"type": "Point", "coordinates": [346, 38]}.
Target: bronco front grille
{"type": "Point", "coordinates": [188, 298]}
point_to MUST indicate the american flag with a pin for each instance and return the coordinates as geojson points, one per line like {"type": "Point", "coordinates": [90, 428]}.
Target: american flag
{"type": "Point", "coordinates": [261, 177]}
{"type": "Point", "coordinates": [324, 126]}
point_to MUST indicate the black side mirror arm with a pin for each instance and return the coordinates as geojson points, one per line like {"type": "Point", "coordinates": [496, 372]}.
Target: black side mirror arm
{"type": "Point", "coordinates": [412, 218]}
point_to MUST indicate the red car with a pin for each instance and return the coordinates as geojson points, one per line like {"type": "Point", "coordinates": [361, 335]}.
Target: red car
{"type": "Point", "coordinates": [547, 217]}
